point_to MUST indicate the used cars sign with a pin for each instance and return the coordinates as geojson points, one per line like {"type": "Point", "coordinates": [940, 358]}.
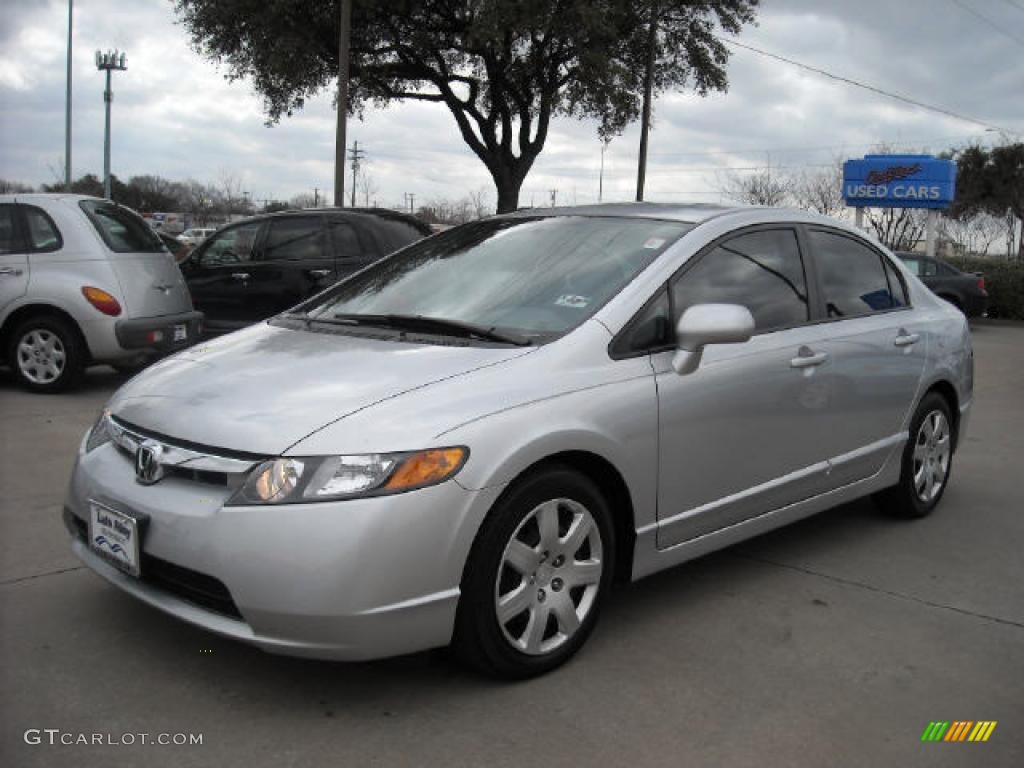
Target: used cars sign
{"type": "Point", "coordinates": [899, 181]}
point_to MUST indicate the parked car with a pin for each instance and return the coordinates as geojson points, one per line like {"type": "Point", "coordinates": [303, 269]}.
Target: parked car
{"type": "Point", "coordinates": [256, 268]}
{"type": "Point", "coordinates": [194, 236]}
{"type": "Point", "coordinates": [82, 281]}
{"type": "Point", "coordinates": [467, 441]}
{"type": "Point", "coordinates": [964, 291]}
{"type": "Point", "coordinates": [178, 249]}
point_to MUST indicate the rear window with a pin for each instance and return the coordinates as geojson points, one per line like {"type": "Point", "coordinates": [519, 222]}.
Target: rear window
{"type": "Point", "coordinates": [123, 230]}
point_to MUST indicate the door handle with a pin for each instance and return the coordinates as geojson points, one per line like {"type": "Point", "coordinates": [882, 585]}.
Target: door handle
{"type": "Point", "coordinates": [240, 275]}
{"type": "Point", "coordinates": [904, 339]}
{"type": "Point", "coordinates": [10, 271]}
{"type": "Point", "coordinates": [318, 273]}
{"type": "Point", "coordinates": [806, 358]}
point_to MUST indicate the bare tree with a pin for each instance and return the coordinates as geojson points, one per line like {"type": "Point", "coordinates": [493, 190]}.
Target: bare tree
{"type": "Point", "coordinates": [303, 200]}
{"type": "Point", "coordinates": [759, 188]}
{"type": "Point", "coordinates": [899, 229]}
{"type": "Point", "coordinates": [480, 203]}
{"type": "Point", "coordinates": [8, 187]}
{"type": "Point", "coordinates": [972, 234]}
{"type": "Point", "coordinates": [367, 187]}
{"type": "Point", "coordinates": [820, 190]}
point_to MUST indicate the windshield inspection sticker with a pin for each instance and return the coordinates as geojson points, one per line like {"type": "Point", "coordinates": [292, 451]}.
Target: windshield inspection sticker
{"type": "Point", "coordinates": [654, 242]}
{"type": "Point", "coordinates": [569, 300]}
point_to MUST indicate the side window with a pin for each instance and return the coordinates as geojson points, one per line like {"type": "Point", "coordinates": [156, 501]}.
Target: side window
{"type": "Point", "coordinates": [852, 276]}
{"type": "Point", "coordinates": [897, 289]}
{"type": "Point", "coordinates": [42, 232]}
{"type": "Point", "coordinates": [928, 268]}
{"type": "Point", "coordinates": [8, 232]}
{"type": "Point", "coordinates": [944, 270]}
{"type": "Point", "coordinates": [345, 239]}
{"type": "Point", "coordinates": [761, 271]}
{"type": "Point", "coordinates": [297, 238]}
{"type": "Point", "coordinates": [232, 246]}
{"type": "Point", "coordinates": [914, 265]}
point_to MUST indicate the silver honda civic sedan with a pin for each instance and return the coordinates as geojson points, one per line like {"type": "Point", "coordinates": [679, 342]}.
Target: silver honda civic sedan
{"type": "Point", "coordinates": [466, 442]}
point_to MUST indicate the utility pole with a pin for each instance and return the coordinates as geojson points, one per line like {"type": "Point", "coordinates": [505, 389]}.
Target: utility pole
{"type": "Point", "coordinates": [345, 31]}
{"type": "Point", "coordinates": [410, 196]}
{"type": "Point", "coordinates": [67, 108]}
{"type": "Point", "coordinates": [357, 155]}
{"type": "Point", "coordinates": [316, 197]}
{"type": "Point", "coordinates": [600, 179]}
{"type": "Point", "coordinates": [108, 62]}
{"type": "Point", "coordinates": [554, 197]}
{"type": "Point", "coordinates": [645, 118]}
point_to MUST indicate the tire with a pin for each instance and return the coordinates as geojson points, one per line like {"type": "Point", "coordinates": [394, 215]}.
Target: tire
{"type": "Point", "coordinates": [46, 354]}
{"type": "Point", "coordinates": [931, 443]}
{"type": "Point", "coordinates": [558, 593]}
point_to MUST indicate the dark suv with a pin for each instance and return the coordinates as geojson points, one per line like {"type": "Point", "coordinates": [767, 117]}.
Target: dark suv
{"type": "Point", "coordinates": [256, 268]}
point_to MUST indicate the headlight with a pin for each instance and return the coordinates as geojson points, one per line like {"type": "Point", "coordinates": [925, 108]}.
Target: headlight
{"type": "Point", "coordinates": [99, 434]}
{"type": "Point", "coordinates": [326, 478]}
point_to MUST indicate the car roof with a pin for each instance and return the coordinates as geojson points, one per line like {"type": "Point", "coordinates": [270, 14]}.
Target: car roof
{"type": "Point", "coordinates": [691, 213]}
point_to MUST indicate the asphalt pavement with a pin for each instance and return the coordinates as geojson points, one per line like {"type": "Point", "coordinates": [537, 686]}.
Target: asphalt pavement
{"type": "Point", "coordinates": [833, 642]}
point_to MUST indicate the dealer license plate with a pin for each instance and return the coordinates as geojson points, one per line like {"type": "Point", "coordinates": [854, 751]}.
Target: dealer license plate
{"type": "Point", "coordinates": [115, 537]}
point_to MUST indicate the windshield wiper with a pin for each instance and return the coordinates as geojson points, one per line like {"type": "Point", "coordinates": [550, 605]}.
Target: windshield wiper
{"type": "Point", "coordinates": [439, 325]}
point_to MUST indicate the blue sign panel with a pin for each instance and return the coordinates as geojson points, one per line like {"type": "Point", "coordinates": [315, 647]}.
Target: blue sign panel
{"type": "Point", "coordinates": [899, 181]}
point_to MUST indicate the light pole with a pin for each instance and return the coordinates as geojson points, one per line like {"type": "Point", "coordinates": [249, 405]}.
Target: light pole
{"type": "Point", "coordinates": [67, 107]}
{"type": "Point", "coordinates": [108, 62]}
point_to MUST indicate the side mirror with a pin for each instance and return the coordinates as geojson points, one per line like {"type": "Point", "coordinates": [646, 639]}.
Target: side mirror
{"type": "Point", "coordinates": [704, 324]}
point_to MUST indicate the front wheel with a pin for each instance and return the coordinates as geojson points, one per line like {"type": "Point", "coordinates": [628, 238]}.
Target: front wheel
{"type": "Point", "coordinates": [536, 576]}
{"type": "Point", "coordinates": [927, 461]}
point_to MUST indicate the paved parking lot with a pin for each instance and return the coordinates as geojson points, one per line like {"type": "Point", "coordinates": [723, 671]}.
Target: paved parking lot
{"type": "Point", "coordinates": [832, 642]}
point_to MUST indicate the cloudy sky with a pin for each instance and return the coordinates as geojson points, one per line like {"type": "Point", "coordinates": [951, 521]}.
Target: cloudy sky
{"type": "Point", "coordinates": [177, 116]}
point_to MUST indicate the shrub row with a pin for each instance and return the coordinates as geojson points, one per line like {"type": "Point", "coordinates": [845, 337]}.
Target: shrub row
{"type": "Point", "coordinates": [1004, 281]}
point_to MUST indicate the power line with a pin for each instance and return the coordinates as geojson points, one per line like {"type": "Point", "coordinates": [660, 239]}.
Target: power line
{"type": "Point", "coordinates": [865, 86]}
{"type": "Point", "coordinates": [988, 22]}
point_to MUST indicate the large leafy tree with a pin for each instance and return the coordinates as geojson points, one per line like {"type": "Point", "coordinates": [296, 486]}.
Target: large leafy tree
{"type": "Point", "coordinates": [992, 181]}
{"type": "Point", "coordinates": [504, 68]}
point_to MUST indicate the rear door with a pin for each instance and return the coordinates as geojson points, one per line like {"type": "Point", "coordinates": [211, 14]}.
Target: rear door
{"type": "Point", "coordinates": [151, 283]}
{"type": "Point", "coordinates": [294, 262]}
{"type": "Point", "coordinates": [352, 244]}
{"type": "Point", "coordinates": [220, 275]}
{"type": "Point", "coordinates": [13, 257]}
{"type": "Point", "coordinates": [876, 343]}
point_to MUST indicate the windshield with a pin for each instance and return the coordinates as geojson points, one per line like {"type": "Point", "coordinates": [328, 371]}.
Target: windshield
{"type": "Point", "coordinates": [530, 276]}
{"type": "Point", "coordinates": [123, 230]}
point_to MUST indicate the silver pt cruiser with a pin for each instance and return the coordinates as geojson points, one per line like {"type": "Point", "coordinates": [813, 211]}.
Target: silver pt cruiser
{"type": "Point", "coordinates": [465, 442]}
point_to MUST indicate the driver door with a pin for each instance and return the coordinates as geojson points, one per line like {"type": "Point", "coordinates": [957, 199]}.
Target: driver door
{"type": "Point", "coordinates": [220, 277]}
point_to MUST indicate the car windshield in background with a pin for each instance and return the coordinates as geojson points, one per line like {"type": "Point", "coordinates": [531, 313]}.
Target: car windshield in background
{"type": "Point", "coordinates": [533, 277]}
{"type": "Point", "coordinates": [122, 230]}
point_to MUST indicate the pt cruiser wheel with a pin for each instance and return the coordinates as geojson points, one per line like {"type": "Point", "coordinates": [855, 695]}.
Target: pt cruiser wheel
{"type": "Point", "coordinates": [536, 576]}
{"type": "Point", "coordinates": [927, 461]}
{"type": "Point", "coordinates": [45, 354]}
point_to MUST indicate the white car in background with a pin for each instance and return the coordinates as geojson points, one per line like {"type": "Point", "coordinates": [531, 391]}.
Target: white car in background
{"type": "Point", "coordinates": [195, 236]}
{"type": "Point", "coordinates": [84, 280]}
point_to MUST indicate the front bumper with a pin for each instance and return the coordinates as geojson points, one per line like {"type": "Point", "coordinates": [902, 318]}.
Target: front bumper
{"type": "Point", "coordinates": [140, 333]}
{"type": "Point", "coordinates": [352, 580]}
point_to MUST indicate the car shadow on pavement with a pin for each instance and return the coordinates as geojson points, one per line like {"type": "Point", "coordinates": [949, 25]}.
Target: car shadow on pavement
{"type": "Point", "coordinates": [235, 672]}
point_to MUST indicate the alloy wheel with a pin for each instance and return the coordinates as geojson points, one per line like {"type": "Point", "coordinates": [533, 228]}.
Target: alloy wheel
{"type": "Point", "coordinates": [549, 576]}
{"type": "Point", "coordinates": [41, 356]}
{"type": "Point", "coordinates": [932, 450]}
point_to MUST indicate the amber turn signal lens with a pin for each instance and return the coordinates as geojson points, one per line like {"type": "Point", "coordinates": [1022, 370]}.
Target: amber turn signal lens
{"type": "Point", "coordinates": [102, 300]}
{"type": "Point", "coordinates": [427, 468]}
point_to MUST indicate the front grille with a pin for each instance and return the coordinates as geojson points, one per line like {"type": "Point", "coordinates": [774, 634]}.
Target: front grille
{"type": "Point", "coordinates": [193, 586]}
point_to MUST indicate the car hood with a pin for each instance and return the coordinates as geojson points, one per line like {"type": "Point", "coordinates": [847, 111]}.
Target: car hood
{"type": "Point", "coordinates": [265, 388]}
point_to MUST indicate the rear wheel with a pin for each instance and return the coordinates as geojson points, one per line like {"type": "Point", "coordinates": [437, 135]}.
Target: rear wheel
{"type": "Point", "coordinates": [536, 577]}
{"type": "Point", "coordinates": [46, 354]}
{"type": "Point", "coordinates": [927, 461]}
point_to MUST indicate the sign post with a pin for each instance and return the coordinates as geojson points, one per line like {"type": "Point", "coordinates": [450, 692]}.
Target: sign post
{"type": "Point", "coordinates": [901, 181]}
